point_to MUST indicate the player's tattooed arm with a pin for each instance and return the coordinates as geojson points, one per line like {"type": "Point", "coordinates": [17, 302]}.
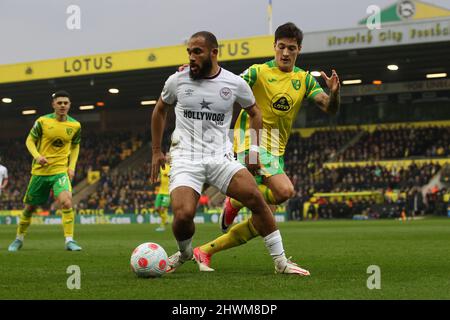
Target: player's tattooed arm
{"type": "Point", "coordinates": [158, 124]}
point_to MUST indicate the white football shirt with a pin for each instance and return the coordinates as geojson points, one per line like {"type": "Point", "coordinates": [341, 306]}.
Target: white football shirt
{"type": "Point", "coordinates": [3, 175]}
{"type": "Point", "coordinates": [203, 110]}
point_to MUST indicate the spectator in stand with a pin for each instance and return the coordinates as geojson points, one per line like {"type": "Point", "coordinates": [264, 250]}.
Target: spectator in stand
{"type": "Point", "coordinates": [203, 203]}
{"type": "Point", "coordinates": [402, 142]}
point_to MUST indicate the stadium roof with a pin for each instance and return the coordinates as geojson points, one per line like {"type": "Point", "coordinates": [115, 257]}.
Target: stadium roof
{"type": "Point", "coordinates": [351, 60]}
{"type": "Point", "coordinates": [414, 62]}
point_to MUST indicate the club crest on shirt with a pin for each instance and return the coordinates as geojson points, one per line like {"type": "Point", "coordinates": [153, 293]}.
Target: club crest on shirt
{"type": "Point", "coordinates": [226, 93]}
{"type": "Point", "coordinates": [69, 131]}
{"type": "Point", "coordinates": [296, 84]}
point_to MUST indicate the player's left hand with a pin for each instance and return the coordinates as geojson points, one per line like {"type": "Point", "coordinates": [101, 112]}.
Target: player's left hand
{"type": "Point", "coordinates": [71, 174]}
{"type": "Point", "coordinates": [332, 82]}
{"type": "Point", "coordinates": [158, 160]}
{"type": "Point", "coordinates": [252, 162]}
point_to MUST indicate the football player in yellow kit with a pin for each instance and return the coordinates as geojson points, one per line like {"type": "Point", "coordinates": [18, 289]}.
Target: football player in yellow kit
{"type": "Point", "coordinates": [279, 88]}
{"type": "Point", "coordinates": [54, 143]}
{"type": "Point", "coordinates": [162, 201]}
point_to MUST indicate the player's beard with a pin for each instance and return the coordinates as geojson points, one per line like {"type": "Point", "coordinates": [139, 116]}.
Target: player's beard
{"type": "Point", "coordinates": [204, 71]}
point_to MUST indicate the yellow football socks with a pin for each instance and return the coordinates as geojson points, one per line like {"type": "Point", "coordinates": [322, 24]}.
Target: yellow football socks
{"type": "Point", "coordinates": [24, 223]}
{"type": "Point", "coordinates": [236, 204]}
{"type": "Point", "coordinates": [68, 221]}
{"type": "Point", "coordinates": [241, 232]}
{"type": "Point", "coordinates": [266, 192]}
{"type": "Point", "coordinates": [164, 216]}
{"type": "Point", "coordinates": [237, 235]}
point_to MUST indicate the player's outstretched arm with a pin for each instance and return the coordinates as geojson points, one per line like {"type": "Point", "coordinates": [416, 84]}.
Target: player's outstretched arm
{"type": "Point", "coordinates": [329, 103]}
{"type": "Point", "coordinates": [157, 126]}
{"type": "Point", "coordinates": [31, 146]}
{"type": "Point", "coordinates": [255, 116]}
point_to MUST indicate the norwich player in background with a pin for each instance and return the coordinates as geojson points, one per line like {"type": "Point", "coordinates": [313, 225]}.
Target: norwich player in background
{"type": "Point", "coordinates": [279, 88]}
{"type": "Point", "coordinates": [54, 143]}
{"type": "Point", "coordinates": [162, 201]}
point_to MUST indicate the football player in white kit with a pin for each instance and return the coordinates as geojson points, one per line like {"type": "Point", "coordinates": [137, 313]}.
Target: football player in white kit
{"type": "Point", "coordinates": [3, 177]}
{"type": "Point", "coordinates": [204, 95]}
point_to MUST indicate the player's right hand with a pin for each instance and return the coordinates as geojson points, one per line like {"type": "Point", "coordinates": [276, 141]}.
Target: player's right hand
{"type": "Point", "coordinates": [71, 174]}
{"type": "Point", "coordinates": [158, 160]}
{"type": "Point", "coordinates": [42, 160]}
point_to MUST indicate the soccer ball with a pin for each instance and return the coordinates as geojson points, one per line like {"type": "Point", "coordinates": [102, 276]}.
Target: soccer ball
{"type": "Point", "coordinates": [149, 260]}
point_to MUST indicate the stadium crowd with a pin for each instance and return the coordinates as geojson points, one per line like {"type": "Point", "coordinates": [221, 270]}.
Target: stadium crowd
{"type": "Point", "coordinates": [97, 151]}
{"type": "Point", "coordinates": [130, 190]}
{"type": "Point", "coordinates": [305, 167]}
{"type": "Point", "coordinates": [403, 142]}
{"type": "Point", "coordinates": [371, 177]}
{"type": "Point", "coordinates": [125, 191]}
{"type": "Point", "coordinates": [411, 204]}
{"type": "Point", "coordinates": [18, 162]}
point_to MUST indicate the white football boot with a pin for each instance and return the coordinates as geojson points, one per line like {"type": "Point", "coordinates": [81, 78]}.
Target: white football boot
{"type": "Point", "coordinates": [286, 266]}
{"type": "Point", "coordinates": [175, 261]}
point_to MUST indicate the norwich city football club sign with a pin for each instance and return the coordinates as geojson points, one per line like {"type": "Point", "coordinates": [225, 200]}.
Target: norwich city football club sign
{"type": "Point", "coordinates": [409, 10]}
{"type": "Point", "coordinates": [403, 22]}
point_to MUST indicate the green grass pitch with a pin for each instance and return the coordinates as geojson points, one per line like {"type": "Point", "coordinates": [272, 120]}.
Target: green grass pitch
{"type": "Point", "coordinates": [414, 258]}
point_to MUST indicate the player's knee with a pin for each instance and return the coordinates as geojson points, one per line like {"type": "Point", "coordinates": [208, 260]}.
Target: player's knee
{"type": "Point", "coordinates": [284, 193]}
{"type": "Point", "coordinates": [29, 209]}
{"type": "Point", "coordinates": [182, 219]}
{"type": "Point", "coordinates": [66, 204]}
{"type": "Point", "coordinates": [183, 213]}
{"type": "Point", "coordinates": [253, 199]}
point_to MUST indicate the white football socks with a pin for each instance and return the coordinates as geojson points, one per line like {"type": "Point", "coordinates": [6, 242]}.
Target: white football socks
{"type": "Point", "coordinates": [274, 243]}
{"type": "Point", "coordinates": [185, 247]}
{"type": "Point", "coordinates": [20, 237]}
{"type": "Point", "coordinates": [69, 239]}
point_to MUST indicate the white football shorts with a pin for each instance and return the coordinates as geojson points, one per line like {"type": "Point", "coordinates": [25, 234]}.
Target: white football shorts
{"type": "Point", "coordinates": [216, 171]}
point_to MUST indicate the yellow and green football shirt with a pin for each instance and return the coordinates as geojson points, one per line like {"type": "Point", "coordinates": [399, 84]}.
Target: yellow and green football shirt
{"type": "Point", "coordinates": [54, 140]}
{"type": "Point", "coordinates": [164, 176]}
{"type": "Point", "coordinates": [279, 96]}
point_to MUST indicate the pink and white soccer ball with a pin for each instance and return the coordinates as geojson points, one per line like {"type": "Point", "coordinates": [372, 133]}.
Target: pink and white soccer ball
{"type": "Point", "coordinates": [149, 260]}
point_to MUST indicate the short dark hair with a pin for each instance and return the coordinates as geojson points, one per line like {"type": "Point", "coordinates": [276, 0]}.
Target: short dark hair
{"type": "Point", "coordinates": [289, 30]}
{"type": "Point", "coordinates": [209, 37]}
{"type": "Point", "coordinates": [60, 93]}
